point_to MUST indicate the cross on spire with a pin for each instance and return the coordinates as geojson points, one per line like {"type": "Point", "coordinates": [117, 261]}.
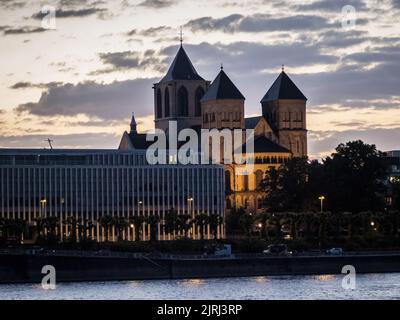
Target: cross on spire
{"type": "Point", "coordinates": [222, 66]}
{"type": "Point", "coordinates": [181, 36]}
{"type": "Point", "coordinates": [283, 68]}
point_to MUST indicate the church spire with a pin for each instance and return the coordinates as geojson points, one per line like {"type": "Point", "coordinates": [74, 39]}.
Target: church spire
{"type": "Point", "coordinates": [133, 124]}
{"type": "Point", "coordinates": [181, 36]}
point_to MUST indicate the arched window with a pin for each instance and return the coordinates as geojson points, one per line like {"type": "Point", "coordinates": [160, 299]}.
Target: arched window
{"type": "Point", "coordinates": [159, 104]}
{"type": "Point", "coordinates": [197, 104]}
{"type": "Point", "coordinates": [228, 181]}
{"type": "Point", "coordinates": [183, 102]}
{"type": "Point", "coordinates": [166, 103]}
{"type": "Point", "coordinates": [259, 178]}
{"type": "Point", "coordinates": [245, 183]}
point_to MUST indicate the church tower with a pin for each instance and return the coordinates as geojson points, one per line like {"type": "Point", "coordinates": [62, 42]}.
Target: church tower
{"type": "Point", "coordinates": [284, 108]}
{"type": "Point", "coordinates": [223, 105]}
{"type": "Point", "coordinates": [177, 96]}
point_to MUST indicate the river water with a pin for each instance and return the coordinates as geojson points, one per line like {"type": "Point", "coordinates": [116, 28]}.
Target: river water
{"type": "Point", "coordinates": [368, 286]}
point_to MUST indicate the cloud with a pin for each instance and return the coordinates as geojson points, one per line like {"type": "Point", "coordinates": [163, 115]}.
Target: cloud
{"type": "Point", "coordinates": [71, 13]}
{"type": "Point", "coordinates": [22, 30]}
{"type": "Point", "coordinates": [127, 60]}
{"type": "Point", "coordinates": [248, 58]}
{"type": "Point", "coordinates": [150, 32]}
{"type": "Point", "coordinates": [28, 85]}
{"type": "Point", "coordinates": [12, 4]}
{"type": "Point", "coordinates": [112, 101]}
{"type": "Point", "coordinates": [324, 142]}
{"type": "Point", "coordinates": [342, 39]}
{"type": "Point", "coordinates": [258, 23]}
{"type": "Point", "coordinates": [384, 54]}
{"type": "Point", "coordinates": [157, 4]}
{"type": "Point", "coordinates": [331, 6]}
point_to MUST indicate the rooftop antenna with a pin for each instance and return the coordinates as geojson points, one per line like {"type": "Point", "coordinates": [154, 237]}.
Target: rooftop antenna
{"type": "Point", "coordinates": [181, 36]}
{"type": "Point", "coordinates": [50, 141]}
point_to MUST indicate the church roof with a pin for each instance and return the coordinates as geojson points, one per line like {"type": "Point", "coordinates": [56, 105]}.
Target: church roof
{"type": "Point", "coordinates": [264, 145]}
{"type": "Point", "coordinates": [181, 68]}
{"type": "Point", "coordinates": [250, 123]}
{"type": "Point", "coordinates": [283, 88]}
{"type": "Point", "coordinates": [138, 140]}
{"type": "Point", "coordinates": [222, 88]}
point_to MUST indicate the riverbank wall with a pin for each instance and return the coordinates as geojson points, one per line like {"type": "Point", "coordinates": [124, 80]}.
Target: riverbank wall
{"type": "Point", "coordinates": [25, 268]}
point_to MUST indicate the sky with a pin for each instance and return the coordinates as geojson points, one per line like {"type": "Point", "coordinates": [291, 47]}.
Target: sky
{"type": "Point", "coordinates": [77, 78]}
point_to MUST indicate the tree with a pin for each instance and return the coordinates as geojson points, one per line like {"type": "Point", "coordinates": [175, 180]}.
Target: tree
{"type": "Point", "coordinates": [246, 222]}
{"type": "Point", "coordinates": [72, 222]}
{"type": "Point", "coordinates": [201, 221]}
{"type": "Point", "coordinates": [84, 226]}
{"type": "Point", "coordinates": [13, 228]}
{"type": "Point", "coordinates": [171, 221]}
{"type": "Point", "coordinates": [2, 227]}
{"type": "Point", "coordinates": [153, 221]}
{"type": "Point", "coordinates": [215, 221]}
{"type": "Point", "coordinates": [185, 223]}
{"type": "Point", "coordinates": [106, 223]}
{"type": "Point", "coordinates": [287, 188]}
{"type": "Point", "coordinates": [51, 224]}
{"type": "Point", "coordinates": [119, 223]}
{"type": "Point", "coordinates": [239, 223]}
{"type": "Point", "coordinates": [354, 175]}
{"type": "Point", "coordinates": [137, 222]}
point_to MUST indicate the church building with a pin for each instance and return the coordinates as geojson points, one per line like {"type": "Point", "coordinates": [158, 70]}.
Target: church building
{"type": "Point", "coordinates": [182, 95]}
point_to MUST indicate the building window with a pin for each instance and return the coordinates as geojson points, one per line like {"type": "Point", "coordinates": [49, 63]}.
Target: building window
{"type": "Point", "coordinates": [166, 103]}
{"type": "Point", "coordinates": [198, 96]}
{"type": "Point", "coordinates": [246, 183]}
{"type": "Point", "coordinates": [183, 102]}
{"type": "Point", "coordinates": [159, 105]}
{"type": "Point", "coordinates": [228, 181]}
{"type": "Point", "coordinates": [259, 178]}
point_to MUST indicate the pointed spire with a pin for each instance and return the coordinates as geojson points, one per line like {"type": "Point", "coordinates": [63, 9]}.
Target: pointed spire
{"type": "Point", "coordinates": [181, 68]}
{"type": "Point", "coordinates": [133, 124]}
{"type": "Point", "coordinates": [283, 88]}
{"type": "Point", "coordinates": [222, 88]}
{"type": "Point", "coordinates": [181, 36]}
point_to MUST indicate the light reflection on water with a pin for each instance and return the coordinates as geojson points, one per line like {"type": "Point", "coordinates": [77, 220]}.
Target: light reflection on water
{"type": "Point", "coordinates": [369, 286]}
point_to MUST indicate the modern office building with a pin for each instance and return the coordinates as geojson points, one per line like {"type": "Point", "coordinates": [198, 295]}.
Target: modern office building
{"type": "Point", "coordinates": [89, 184]}
{"type": "Point", "coordinates": [393, 163]}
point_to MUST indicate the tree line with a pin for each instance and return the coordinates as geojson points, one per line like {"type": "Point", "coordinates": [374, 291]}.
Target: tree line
{"type": "Point", "coordinates": [352, 179]}
{"type": "Point", "coordinates": [81, 230]}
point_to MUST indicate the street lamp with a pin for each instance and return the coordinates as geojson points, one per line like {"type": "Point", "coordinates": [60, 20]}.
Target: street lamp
{"type": "Point", "coordinates": [322, 198]}
{"type": "Point", "coordinates": [191, 212]}
{"type": "Point", "coordinates": [42, 205]}
{"type": "Point", "coordinates": [190, 201]}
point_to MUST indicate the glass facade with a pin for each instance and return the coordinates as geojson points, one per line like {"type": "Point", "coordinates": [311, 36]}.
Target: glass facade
{"type": "Point", "coordinates": [89, 184]}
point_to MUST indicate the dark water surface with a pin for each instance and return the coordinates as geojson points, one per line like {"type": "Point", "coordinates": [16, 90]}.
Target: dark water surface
{"type": "Point", "coordinates": [368, 286]}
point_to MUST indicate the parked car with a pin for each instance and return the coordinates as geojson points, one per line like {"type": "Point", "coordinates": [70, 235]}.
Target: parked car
{"type": "Point", "coordinates": [335, 251]}
{"type": "Point", "coordinates": [219, 250]}
{"type": "Point", "coordinates": [277, 250]}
